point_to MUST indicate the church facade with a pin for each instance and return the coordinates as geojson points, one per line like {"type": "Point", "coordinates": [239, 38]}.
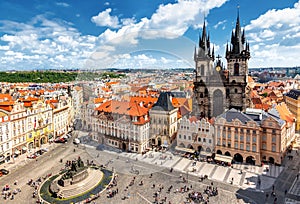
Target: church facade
{"type": "Point", "coordinates": [217, 89]}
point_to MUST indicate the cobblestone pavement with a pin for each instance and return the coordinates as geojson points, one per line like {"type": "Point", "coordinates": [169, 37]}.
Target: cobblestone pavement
{"type": "Point", "coordinates": [161, 175]}
{"type": "Point", "coordinates": [159, 165]}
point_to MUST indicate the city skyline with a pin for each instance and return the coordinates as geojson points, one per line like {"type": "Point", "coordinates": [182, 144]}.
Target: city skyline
{"type": "Point", "coordinates": [141, 34]}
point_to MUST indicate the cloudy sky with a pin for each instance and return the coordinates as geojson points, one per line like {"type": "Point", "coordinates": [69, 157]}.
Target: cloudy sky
{"type": "Point", "coordinates": [96, 34]}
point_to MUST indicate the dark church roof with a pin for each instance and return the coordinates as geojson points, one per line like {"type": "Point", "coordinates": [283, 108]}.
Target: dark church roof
{"type": "Point", "coordinates": [294, 94]}
{"type": "Point", "coordinates": [233, 114]}
{"type": "Point", "coordinates": [164, 102]}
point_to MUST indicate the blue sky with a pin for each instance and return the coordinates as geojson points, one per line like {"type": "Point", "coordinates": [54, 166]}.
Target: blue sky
{"type": "Point", "coordinates": [95, 34]}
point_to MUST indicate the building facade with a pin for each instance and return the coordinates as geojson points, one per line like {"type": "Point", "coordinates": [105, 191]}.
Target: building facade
{"type": "Point", "coordinates": [5, 141]}
{"type": "Point", "coordinates": [292, 99]}
{"type": "Point", "coordinates": [164, 118]}
{"type": "Point", "coordinates": [196, 134]}
{"type": "Point", "coordinates": [123, 125]}
{"type": "Point", "coordinates": [218, 89]}
{"type": "Point", "coordinates": [253, 136]}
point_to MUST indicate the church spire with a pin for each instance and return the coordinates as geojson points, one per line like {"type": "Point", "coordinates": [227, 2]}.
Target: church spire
{"type": "Point", "coordinates": [238, 39]}
{"type": "Point", "coordinates": [204, 44]}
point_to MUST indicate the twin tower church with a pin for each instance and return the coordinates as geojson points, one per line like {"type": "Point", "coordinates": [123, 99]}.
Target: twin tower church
{"type": "Point", "coordinates": [217, 89]}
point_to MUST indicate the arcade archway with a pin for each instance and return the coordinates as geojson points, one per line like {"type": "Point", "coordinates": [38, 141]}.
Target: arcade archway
{"type": "Point", "coordinates": [271, 160]}
{"type": "Point", "coordinates": [250, 160]}
{"type": "Point", "coordinates": [238, 158]}
{"type": "Point", "coordinates": [227, 153]}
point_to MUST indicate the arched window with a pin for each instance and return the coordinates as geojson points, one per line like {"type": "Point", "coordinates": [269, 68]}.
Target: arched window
{"type": "Point", "coordinates": [235, 90]}
{"type": "Point", "coordinates": [236, 70]}
{"type": "Point", "coordinates": [206, 92]}
{"type": "Point", "coordinates": [202, 70]}
{"type": "Point", "coordinates": [201, 95]}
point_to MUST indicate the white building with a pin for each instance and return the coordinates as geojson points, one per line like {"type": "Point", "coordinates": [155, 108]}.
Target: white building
{"type": "Point", "coordinates": [5, 141]}
{"type": "Point", "coordinates": [196, 134]}
{"type": "Point", "coordinates": [121, 124]}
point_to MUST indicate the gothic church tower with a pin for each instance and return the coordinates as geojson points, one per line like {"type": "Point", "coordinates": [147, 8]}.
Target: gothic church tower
{"type": "Point", "coordinates": [237, 56]}
{"type": "Point", "coordinates": [217, 89]}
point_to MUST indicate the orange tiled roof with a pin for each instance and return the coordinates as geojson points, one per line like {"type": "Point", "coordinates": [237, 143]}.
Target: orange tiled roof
{"type": "Point", "coordinates": [275, 84]}
{"type": "Point", "coordinates": [27, 103]}
{"type": "Point", "coordinates": [105, 89]}
{"type": "Point", "coordinates": [52, 101]}
{"type": "Point", "coordinates": [123, 108]}
{"type": "Point", "coordinates": [98, 100]}
{"type": "Point", "coordinates": [250, 79]}
{"type": "Point", "coordinates": [193, 119]}
{"type": "Point", "coordinates": [5, 97]}
{"type": "Point", "coordinates": [147, 101]}
{"type": "Point", "coordinates": [262, 106]}
{"type": "Point", "coordinates": [284, 112]}
{"type": "Point", "coordinates": [6, 107]}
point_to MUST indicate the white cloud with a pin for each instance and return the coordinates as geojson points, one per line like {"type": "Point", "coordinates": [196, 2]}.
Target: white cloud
{"type": "Point", "coordinates": [169, 21]}
{"type": "Point", "coordinates": [44, 43]}
{"type": "Point", "coordinates": [105, 19]}
{"type": "Point", "coordinates": [273, 35]}
{"type": "Point", "coordinates": [4, 47]}
{"type": "Point", "coordinates": [220, 23]}
{"type": "Point", "coordinates": [62, 4]}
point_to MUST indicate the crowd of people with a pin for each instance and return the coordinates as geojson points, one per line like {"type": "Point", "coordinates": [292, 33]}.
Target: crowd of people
{"type": "Point", "coordinates": [9, 193]}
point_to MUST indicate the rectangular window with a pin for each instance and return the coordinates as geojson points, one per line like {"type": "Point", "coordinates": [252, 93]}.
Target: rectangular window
{"type": "Point", "coordinates": [242, 146]}
{"type": "Point", "coordinates": [254, 139]}
{"type": "Point", "coordinates": [229, 136]}
{"type": "Point", "coordinates": [248, 138]}
{"type": "Point", "coordinates": [229, 144]}
{"type": "Point", "coordinates": [204, 140]}
{"type": "Point", "coordinates": [236, 145]}
{"type": "Point", "coordinates": [254, 132]}
{"type": "Point", "coordinates": [209, 141]}
{"type": "Point", "coordinates": [199, 139]}
{"type": "Point", "coordinates": [236, 137]}
{"type": "Point", "coordinates": [241, 138]}
{"type": "Point", "coordinates": [179, 136]}
{"type": "Point", "coordinates": [264, 138]}
{"type": "Point", "coordinates": [273, 131]}
{"type": "Point", "coordinates": [264, 146]}
{"type": "Point", "coordinates": [274, 139]}
{"type": "Point", "coordinates": [248, 147]}
{"type": "Point", "coordinates": [273, 148]}
{"type": "Point", "coordinates": [253, 148]}
{"type": "Point", "coordinates": [218, 133]}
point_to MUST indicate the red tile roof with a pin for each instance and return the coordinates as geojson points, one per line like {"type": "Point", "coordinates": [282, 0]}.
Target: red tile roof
{"type": "Point", "coordinates": [122, 108]}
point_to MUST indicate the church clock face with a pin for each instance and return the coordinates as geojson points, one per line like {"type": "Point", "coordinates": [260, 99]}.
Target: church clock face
{"type": "Point", "coordinates": [218, 68]}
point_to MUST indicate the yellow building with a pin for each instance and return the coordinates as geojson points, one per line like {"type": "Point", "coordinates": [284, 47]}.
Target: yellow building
{"type": "Point", "coordinates": [292, 99]}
